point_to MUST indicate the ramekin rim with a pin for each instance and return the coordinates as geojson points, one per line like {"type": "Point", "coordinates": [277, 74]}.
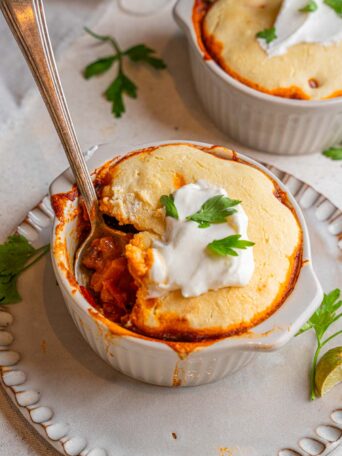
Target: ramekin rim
{"type": "Point", "coordinates": [186, 24]}
{"type": "Point", "coordinates": [272, 340]}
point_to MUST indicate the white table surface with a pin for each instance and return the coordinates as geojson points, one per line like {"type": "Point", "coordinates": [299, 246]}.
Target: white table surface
{"type": "Point", "coordinates": [167, 108]}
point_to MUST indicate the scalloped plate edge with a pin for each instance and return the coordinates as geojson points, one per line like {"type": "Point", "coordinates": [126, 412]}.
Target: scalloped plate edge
{"type": "Point", "coordinates": [12, 379]}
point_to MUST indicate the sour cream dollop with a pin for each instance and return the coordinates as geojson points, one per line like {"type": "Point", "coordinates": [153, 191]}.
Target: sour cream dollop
{"type": "Point", "coordinates": [293, 27]}
{"type": "Point", "coordinates": [181, 260]}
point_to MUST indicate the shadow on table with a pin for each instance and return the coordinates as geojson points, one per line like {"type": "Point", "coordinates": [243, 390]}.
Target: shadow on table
{"type": "Point", "coordinates": [172, 100]}
{"type": "Point", "coordinates": [66, 331]}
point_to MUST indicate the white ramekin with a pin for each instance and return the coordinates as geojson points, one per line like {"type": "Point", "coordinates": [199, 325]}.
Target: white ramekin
{"type": "Point", "coordinates": [153, 361]}
{"type": "Point", "coordinates": [255, 119]}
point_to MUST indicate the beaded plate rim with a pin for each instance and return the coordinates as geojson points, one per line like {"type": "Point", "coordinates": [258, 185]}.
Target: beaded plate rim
{"type": "Point", "coordinates": [56, 434]}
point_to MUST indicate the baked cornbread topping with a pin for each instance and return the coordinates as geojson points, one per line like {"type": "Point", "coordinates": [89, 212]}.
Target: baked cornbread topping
{"type": "Point", "coordinates": [130, 192]}
{"type": "Point", "coordinates": [297, 54]}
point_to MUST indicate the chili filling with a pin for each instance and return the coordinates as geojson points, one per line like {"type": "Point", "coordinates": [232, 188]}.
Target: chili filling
{"type": "Point", "coordinates": [110, 282]}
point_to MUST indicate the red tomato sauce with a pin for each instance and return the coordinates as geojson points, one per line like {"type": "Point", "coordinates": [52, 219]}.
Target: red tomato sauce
{"type": "Point", "coordinates": [110, 283]}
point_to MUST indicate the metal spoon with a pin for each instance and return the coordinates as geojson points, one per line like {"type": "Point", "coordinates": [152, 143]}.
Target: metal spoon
{"type": "Point", "coordinates": [26, 19]}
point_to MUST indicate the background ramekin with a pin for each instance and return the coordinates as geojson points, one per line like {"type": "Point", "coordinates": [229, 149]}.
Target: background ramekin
{"type": "Point", "coordinates": [153, 361]}
{"type": "Point", "coordinates": [255, 119]}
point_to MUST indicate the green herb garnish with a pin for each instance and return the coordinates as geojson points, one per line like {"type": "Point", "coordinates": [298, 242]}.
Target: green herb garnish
{"type": "Point", "coordinates": [122, 84]}
{"type": "Point", "coordinates": [99, 66]}
{"type": "Point", "coordinates": [335, 153]}
{"type": "Point", "coordinates": [170, 207]}
{"type": "Point", "coordinates": [215, 210]}
{"type": "Point", "coordinates": [336, 5]}
{"type": "Point", "coordinates": [310, 7]}
{"type": "Point", "coordinates": [267, 34]}
{"type": "Point", "coordinates": [15, 254]}
{"type": "Point", "coordinates": [320, 321]}
{"type": "Point", "coordinates": [225, 246]}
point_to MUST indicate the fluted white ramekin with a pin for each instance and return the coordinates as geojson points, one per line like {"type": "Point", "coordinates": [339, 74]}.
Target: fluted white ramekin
{"type": "Point", "coordinates": [153, 361]}
{"type": "Point", "coordinates": [255, 119]}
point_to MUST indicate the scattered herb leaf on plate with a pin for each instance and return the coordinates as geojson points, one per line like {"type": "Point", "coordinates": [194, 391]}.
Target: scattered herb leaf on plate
{"type": "Point", "coordinates": [15, 254]}
{"type": "Point", "coordinates": [100, 66]}
{"type": "Point", "coordinates": [142, 53]}
{"type": "Point", "coordinates": [335, 153]}
{"type": "Point", "coordinates": [320, 321]}
{"type": "Point", "coordinates": [122, 84]}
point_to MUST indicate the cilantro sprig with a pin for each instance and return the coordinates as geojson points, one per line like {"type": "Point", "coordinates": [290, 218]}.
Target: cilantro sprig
{"type": "Point", "coordinates": [320, 321]}
{"type": "Point", "coordinates": [169, 204]}
{"type": "Point", "coordinates": [122, 84]}
{"type": "Point", "coordinates": [335, 153]}
{"type": "Point", "coordinates": [268, 35]}
{"type": "Point", "coordinates": [336, 5]}
{"type": "Point", "coordinates": [310, 7]}
{"type": "Point", "coordinates": [226, 246]}
{"type": "Point", "coordinates": [15, 256]}
{"type": "Point", "coordinates": [214, 210]}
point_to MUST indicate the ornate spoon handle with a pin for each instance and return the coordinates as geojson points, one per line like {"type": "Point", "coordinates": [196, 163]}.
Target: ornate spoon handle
{"type": "Point", "coordinates": [26, 20]}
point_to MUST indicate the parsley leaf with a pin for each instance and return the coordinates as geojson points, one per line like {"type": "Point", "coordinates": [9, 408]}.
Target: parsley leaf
{"type": "Point", "coordinates": [170, 207]}
{"type": "Point", "coordinates": [336, 5]}
{"type": "Point", "coordinates": [215, 210]}
{"type": "Point", "coordinates": [114, 93]}
{"type": "Point", "coordinates": [320, 321]}
{"type": "Point", "coordinates": [142, 53]}
{"type": "Point", "coordinates": [122, 84]}
{"type": "Point", "coordinates": [99, 66]}
{"type": "Point", "coordinates": [310, 7]}
{"type": "Point", "coordinates": [335, 153]}
{"type": "Point", "coordinates": [267, 34]}
{"type": "Point", "coordinates": [15, 254]}
{"type": "Point", "coordinates": [225, 246]}
{"type": "Point", "coordinates": [324, 315]}
{"type": "Point", "coordinates": [8, 290]}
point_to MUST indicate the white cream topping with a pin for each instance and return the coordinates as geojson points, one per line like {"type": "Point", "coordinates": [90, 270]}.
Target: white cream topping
{"type": "Point", "coordinates": [181, 260]}
{"type": "Point", "coordinates": [293, 27]}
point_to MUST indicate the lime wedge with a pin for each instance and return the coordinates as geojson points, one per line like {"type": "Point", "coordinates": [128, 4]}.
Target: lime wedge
{"type": "Point", "coordinates": [329, 371]}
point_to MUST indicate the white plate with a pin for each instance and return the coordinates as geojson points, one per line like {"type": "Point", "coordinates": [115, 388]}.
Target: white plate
{"type": "Point", "coordinates": [82, 406]}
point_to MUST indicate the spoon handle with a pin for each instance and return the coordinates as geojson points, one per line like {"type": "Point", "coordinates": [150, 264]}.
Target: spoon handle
{"type": "Point", "coordinates": [26, 19]}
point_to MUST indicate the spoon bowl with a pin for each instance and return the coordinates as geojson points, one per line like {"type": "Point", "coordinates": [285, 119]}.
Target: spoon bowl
{"type": "Point", "coordinates": [99, 228]}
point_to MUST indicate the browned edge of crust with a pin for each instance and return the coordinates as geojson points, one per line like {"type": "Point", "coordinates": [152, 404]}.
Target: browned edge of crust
{"type": "Point", "coordinates": [59, 202]}
{"type": "Point", "coordinates": [212, 50]}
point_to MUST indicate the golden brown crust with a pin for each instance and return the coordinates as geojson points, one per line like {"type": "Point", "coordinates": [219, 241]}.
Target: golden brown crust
{"type": "Point", "coordinates": [175, 317]}
{"type": "Point", "coordinates": [172, 320]}
{"type": "Point", "coordinates": [172, 327]}
{"type": "Point", "coordinates": [291, 73]}
{"type": "Point", "coordinates": [216, 48]}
